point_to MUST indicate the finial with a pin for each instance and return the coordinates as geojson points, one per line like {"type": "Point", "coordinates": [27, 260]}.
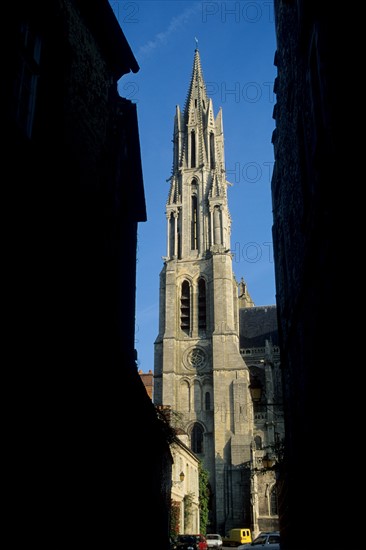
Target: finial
{"type": "Point", "coordinates": [196, 40]}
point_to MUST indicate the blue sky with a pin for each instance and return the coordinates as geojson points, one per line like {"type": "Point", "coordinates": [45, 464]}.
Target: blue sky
{"type": "Point", "coordinates": [236, 41]}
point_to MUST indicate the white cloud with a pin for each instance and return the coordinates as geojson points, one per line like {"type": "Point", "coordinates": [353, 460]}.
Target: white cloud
{"type": "Point", "coordinates": [176, 23]}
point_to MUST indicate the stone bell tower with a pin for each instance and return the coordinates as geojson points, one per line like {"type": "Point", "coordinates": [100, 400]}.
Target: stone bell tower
{"type": "Point", "coordinates": [198, 369]}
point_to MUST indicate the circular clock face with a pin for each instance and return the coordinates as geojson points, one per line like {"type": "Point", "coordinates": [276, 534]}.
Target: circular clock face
{"type": "Point", "coordinates": [196, 358]}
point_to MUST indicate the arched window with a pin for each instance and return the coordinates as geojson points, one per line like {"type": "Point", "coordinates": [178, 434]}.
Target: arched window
{"type": "Point", "coordinates": [194, 244]}
{"type": "Point", "coordinates": [171, 235]}
{"type": "Point", "coordinates": [258, 442]}
{"type": "Point", "coordinates": [212, 150]}
{"type": "Point", "coordinates": [185, 308]}
{"type": "Point", "coordinates": [273, 502]}
{"type": "Point", "coordinates": [202, 304]}
{"type": "Point", "coordinates": [193, 149]}
{"type": "Point", "coordinates": [207, 401]}
{"type": "Point", "coordinates": [197, 439]}
{"type": "Point", "coordinates": [179, 231]}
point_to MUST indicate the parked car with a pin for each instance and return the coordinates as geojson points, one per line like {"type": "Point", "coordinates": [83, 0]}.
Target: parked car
{"type": "Point", "coordinates": [191, 542]}
{"type": "Point", "coordinates": [237, 536]}
{"type": "Point", "coordinates": [267, 541]}
{"type": "Point", "coordinates": [214, 540]}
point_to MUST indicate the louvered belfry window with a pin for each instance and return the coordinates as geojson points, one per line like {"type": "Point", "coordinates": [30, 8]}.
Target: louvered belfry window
{"type": "Point", "coordinates": [185, 308]}
{"type": "Point", "coordinates": [202, 304]}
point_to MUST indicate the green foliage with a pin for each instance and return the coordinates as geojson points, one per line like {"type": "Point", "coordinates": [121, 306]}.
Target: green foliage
{"type": "Point", "coordinates": [204, 497]}
{"type": "Point", "coordinates": [188, 502]}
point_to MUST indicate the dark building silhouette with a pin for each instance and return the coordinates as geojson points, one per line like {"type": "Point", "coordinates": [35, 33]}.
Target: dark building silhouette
{"type": "Point", "coordinates": [310, 215]}
{"type": "Point", "coordinates": [92, 459]}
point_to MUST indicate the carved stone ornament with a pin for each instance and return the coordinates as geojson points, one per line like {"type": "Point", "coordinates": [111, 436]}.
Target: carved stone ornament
{"type": "Point", "coordinates": [196, 358]}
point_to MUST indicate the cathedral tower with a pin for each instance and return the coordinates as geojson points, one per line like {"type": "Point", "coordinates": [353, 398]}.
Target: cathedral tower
{"type": "Point", "coordinates": [198, 369]}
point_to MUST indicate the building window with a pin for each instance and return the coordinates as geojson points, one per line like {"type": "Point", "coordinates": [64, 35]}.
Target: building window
{"type": "Point", "coordinates": [273, 502]}
{"type": "Point", "coordinates": [258, 442]}
{"type": "Point", "coordinates": [185, 308]}
{"type": "Point", "coordinates": [179, 240]}
{"type": "Point", "coordinates": [194, 244]}
{"type": "Point", "coordinates": [197, 439]}
{"type": "Point", "coordinates": [202, 304]}
{"type": "Point", "coordinates": [207, 401]}
{"type": "Point", "coordinates": [212, 150]}
{"type": "Point", "coordinates": [28, 70]}
{"type": "Point", "coordinates": [171, 235]}
{"type": "Point", "coordinates": [193, 149]}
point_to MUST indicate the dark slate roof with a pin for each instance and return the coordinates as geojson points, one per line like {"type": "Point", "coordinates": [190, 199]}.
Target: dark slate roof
{"type": "Point", "coordinates": [256, 325]}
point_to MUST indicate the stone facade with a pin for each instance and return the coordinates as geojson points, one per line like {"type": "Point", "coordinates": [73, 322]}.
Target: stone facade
{"type": "Point", "coordinates": [185, 485]}
{"type": "Point", "coordinates": [199, 370]}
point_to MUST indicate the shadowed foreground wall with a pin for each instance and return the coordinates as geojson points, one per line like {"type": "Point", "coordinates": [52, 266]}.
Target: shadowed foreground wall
{"type": "Point", "coordinates": [91, 458]}
{"type": "Point", "coordinates": [311, 218]}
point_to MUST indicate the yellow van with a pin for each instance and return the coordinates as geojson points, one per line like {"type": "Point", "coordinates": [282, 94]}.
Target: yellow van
{"type": "Point", "coordinates": [236, 537]}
